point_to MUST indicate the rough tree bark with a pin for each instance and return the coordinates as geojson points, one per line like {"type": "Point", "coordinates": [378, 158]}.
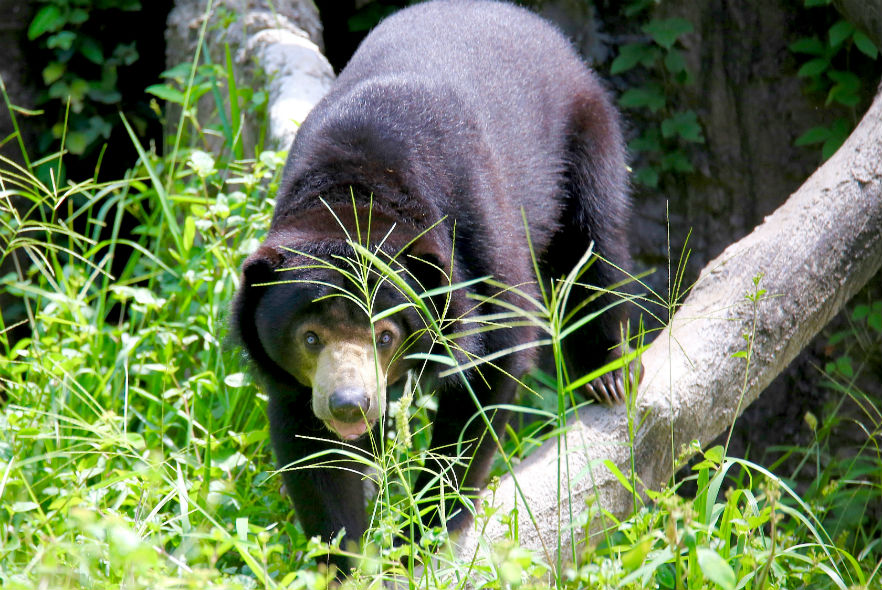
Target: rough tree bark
{"type": "Point", "coordinates": [813, 254]}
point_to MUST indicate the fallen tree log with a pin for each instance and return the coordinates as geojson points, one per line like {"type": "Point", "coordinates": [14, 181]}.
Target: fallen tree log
{"type": "Point", "coordinates": [810, 256]}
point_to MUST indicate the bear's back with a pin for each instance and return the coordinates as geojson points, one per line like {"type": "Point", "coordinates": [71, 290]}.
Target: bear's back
{"type": "Point", "coordinates": [512, 70]}
{"type": "Point", "coordinates": [474, 85]}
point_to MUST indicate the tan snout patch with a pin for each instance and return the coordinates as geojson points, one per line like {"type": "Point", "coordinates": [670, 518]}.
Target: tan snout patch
{"type": "Point", "coordinates": [348, 364]}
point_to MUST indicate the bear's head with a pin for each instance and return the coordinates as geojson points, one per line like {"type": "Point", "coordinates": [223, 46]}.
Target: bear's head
{"type": "Point", "coordinates": [317, 315]}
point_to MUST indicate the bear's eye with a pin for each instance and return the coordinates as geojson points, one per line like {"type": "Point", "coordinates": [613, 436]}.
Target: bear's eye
{"type": "Point", "coordinates": [385, 338]}
{"type": "Point", "coordinates": [311, 339]}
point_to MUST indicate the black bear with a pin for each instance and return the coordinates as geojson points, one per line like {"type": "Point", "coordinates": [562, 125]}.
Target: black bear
{"type": "Point", "coordinates": [457, 128]}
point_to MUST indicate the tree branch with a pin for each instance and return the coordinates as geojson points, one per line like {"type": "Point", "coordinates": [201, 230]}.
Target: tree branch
{"type": "Point", "coordinates": [813, 254]}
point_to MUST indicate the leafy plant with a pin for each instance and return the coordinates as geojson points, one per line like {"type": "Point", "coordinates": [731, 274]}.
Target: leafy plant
{"type": "Point", "coordinates": [825, 74]}
{"type": "Point", "coordinates": [81, 70]}
{"type": "Point", "coordinates": [664, 142]}
{"type": "Point", "coordinates": [186, 85]}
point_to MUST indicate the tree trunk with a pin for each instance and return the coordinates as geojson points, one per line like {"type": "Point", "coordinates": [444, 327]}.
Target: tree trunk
{"type": "Point", "coordinates": [812, 254]}
{"type": "Point", "coordinates": [277, 46]}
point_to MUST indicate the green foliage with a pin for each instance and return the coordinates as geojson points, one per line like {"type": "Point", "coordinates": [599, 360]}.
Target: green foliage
{"type": "Point", "coordinates": [134, 449]}
{"type": "Point", "coordinates": [126, 428]}
{"type": "Point", "coordinates": [665, 141]}
{"type": "Point", "coordinates": [185, 86]}
{"type": "Point", "coordinates": [745, 528]}
{"type": "Point", "coordinates": [829, 69]}
{"type": "Point", "coordinates": [861, 339]}
{"type": "Point", "coordinates": [80, 73]}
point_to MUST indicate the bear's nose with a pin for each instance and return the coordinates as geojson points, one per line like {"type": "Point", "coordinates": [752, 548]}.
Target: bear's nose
{"type": "Point", "coordinates": [349, 404]}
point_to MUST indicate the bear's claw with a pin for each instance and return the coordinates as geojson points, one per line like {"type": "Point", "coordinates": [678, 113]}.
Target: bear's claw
{"type": "Point", "coordinates": [610, 388]}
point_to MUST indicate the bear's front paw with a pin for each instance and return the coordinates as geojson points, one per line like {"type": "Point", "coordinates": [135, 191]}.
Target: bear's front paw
{"type": "Point", "coordinates": [610, 388]}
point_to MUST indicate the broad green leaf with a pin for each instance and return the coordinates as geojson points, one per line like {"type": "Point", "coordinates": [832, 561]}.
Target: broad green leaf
{"type": "Point", "coordinates": [647, 176]}
{"type": "Point", "coordinates": [716, 569]}
{"type": "Point", "coordinates": [643, 97]}
{"type": "Point", "coordinates": [136, 440]}
{"type": "Point", "coordinates": [714, 454]}
{"type": "Point", "coordinates": [53, 72]}
{"type": "Point", "coordinates": [630, 56]}
{"type": "Point", "coordinates": [874, 320]}
{"type": "Point", "coordinates": [646, 142]}
{"type": "Point", "coordinates": [847, 80]}
{"type": "Point", "coordinates": [105, 96]}
{"type": "Point", "coordinates": [676, 161]}
{"type": "Point", "coordinates": [813, 67]}
{"type": "Point", "coordinates": [860, 312]}
{"type": "Point", "coordinates": [839, 132]}
{"type": "Point", "coordinates": [675, 62]}
{"type": "Point", "coordinates": [91, 49]}
{"type": "Point", "coordinates": [846, 89]}
{"type": "Point", "coordinates": [810, 45]}
{"type": "Point", "coordinates": [634, 557]}
{"type": "Point", "coordinates": [166, 93]}
{"type": "Point", "coordinates": [666, 32]}
{"type": "Point", "coordinates": [865, 45]}
{"type": "Point", "coordinates": [78, 16]}
{"type": "Point", "coordinates": [635, 7]}
{"type": "Point", "coordinates": [77, 142]}
{"type": "Point", "coordinates": [125, 53]}
{"type": "Point", "coordinates": [48, 18]}
{"type": "Point", "coordinates": [831, 146]}
{"type": "Point", "coordinates": [189, 233]}
{"type": "Point", "coordinates": [685, 125]}
{"type": "Point", "coordinates": [839, 32]}
{"type": "Point", "coordinates": [842, 96]}
{"type": "Point", "coordinates": [812, 136]}
{"type": "Point", "coordinates": [59, 89]}
{"type": "Point", "coordinates": [63, 40]}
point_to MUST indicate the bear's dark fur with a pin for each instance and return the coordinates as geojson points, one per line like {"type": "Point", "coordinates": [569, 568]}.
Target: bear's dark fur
{"type": "Point", "coordinates": [467, 112]}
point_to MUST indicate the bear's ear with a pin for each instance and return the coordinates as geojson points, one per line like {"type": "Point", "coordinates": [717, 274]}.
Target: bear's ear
{"type": "Point", "coordinates": [258, 268]}
{"type": "Point", "coordinates": [261, 265]}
